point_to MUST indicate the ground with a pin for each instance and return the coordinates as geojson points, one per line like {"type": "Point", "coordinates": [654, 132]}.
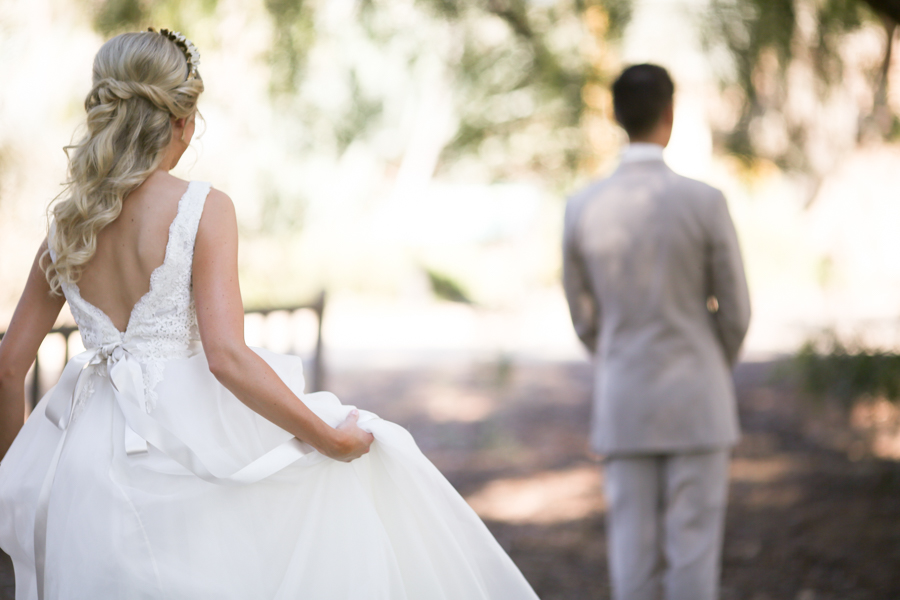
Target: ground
{"type": "Point", "coordinates": [805, 522]}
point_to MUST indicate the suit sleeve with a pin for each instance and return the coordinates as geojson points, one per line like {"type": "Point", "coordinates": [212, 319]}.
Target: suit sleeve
{"type": "Point", "coordinates": [583, 306]}
{"type": "Point", "coordinates": [728, 283]}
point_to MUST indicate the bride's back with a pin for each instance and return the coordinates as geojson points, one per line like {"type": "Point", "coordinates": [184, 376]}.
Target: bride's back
{"type": "Point", "coordinates": [107, 235]}
{"type": "Point", "coordinates": [131, 247]}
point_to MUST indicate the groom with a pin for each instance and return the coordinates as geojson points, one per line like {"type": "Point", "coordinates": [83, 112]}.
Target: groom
{"type": "Point", "coordinates": [655, 284]}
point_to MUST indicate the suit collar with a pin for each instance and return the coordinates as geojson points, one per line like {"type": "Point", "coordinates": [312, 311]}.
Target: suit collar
{"type": "Point", "coordinates": [641, 152]}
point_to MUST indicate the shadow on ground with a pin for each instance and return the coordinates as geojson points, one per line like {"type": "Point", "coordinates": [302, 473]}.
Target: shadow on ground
{"type": "Point", "coordinates": [804, 522]}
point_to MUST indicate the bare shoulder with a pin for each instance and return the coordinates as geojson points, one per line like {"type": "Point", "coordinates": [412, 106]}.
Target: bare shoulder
{"type": "Point", "coordinates": [219, 201]}
{"type": "Point", "coordinates": [218, 209]}
{"type": "Point", "coordinates": [218, 220]}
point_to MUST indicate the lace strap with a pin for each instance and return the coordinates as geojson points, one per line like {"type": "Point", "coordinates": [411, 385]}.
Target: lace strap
{"type": "Point", "coordinates": [183, 232]}
{"type": "Point", "coordinates": [191, 212]}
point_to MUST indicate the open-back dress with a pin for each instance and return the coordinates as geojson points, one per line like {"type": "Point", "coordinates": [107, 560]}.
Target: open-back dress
{"type": "Point", "coordinates": [140, 476]}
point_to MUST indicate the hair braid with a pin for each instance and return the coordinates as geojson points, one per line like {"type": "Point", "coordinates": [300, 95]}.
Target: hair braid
{"type": "Point", "coordinates": [139, 84]}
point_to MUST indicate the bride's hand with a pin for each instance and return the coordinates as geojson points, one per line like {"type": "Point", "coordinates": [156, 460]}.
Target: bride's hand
{"type": "Point", "coordinates": [351, 442]}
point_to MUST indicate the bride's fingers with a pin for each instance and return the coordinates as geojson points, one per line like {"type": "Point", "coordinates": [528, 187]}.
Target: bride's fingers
{"type": "Point", "coordinates": [351, 419]}
{"type": "Point", "coordinates": [351, 423]}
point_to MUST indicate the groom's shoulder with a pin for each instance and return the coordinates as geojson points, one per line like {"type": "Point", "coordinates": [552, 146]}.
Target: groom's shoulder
{"type": "Point", "coordinates": [694, 188]}
{"type": "Point", "coordinates": [663, 181]}
{"type": "Point", "coordinates": [584, 193]}
{"type": "Point", "coordinates": [576, 201]}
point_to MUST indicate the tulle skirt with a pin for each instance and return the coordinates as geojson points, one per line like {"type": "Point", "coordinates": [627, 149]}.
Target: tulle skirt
{"type": "Point", "coordinates": [121, 526]}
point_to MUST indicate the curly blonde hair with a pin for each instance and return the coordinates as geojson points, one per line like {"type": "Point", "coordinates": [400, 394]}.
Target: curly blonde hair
{"type": "Point", "coordinates": [140, 81]}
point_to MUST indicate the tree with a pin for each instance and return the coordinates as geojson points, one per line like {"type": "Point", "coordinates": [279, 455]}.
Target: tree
{"type": "Point", "coordinates": [790, 70]}
{"type": "Point", "coordinates": [514, 70]}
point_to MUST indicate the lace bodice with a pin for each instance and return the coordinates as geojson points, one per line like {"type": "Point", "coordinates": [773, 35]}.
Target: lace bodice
{"type": "Point", "coordinates": [163, 323]}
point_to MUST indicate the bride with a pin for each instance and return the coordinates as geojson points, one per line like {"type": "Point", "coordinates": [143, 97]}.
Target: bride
{"type": "Point", "coordinates": [171, 460]}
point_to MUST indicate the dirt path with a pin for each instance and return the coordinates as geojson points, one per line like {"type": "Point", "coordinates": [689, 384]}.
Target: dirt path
{"type": "Point", "coordinates": [804, 521]}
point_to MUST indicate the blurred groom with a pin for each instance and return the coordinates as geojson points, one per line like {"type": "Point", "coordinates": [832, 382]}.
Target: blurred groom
{"type": "Point", "coordinates": [655, 284]}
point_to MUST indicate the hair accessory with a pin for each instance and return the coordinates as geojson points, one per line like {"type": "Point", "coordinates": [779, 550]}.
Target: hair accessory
{"type": "Point", "coordinates": [187, 46]}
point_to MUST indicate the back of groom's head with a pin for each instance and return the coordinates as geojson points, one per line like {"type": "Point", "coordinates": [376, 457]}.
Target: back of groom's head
{"type": "Point", "coordinates": [640, 96]}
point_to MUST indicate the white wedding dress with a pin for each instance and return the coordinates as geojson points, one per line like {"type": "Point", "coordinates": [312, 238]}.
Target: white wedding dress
{"type": "Point", "coordinates": [140, 476]}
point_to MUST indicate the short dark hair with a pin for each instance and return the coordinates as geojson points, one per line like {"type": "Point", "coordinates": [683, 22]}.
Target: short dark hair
{"type": "Point", "coordinates": [640, 95]}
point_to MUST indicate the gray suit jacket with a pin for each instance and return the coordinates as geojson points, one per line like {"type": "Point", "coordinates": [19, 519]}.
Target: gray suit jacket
{"type": "Point", "coordinates": [645, 251]}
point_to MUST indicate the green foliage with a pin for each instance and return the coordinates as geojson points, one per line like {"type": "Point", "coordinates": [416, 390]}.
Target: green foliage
{"type": "Point", "coordinates": [504, 79]}
{"type": "Point", "coordinates": [360, 118]}
{"type": "Point", "coordinates": [111, 17]}
{"type": "Point", "coordinates": [761, 39]}
{"type": "Point", "coordinates": [619, 14]}
{"type": "Point", "coordinates": [517, 70]}
{"type": "Point", "coordinates": [519, 87]}
{"type": "Point", "coordinates": [446, 288]}
{"type": "Point", "coordinates": [447, 9]}
{"type": "Point", "coordinates": [748, 28]}
{"type": "Point", "coordinates": [832, 369]}
{"type": "Point", "coordinates": [835, 18]}
{"type": "Point", "coordinates": [294, 28]}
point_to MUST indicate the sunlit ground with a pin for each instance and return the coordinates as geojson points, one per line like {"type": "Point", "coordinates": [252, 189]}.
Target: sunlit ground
{"type": "Point", "coordinates": [809, 511]}
{"type": "Point", "coordinates": [812, 513]}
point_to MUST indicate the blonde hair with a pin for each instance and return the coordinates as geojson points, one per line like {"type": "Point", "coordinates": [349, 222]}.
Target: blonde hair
{"type": "Point", "coordinates": [140, 80]}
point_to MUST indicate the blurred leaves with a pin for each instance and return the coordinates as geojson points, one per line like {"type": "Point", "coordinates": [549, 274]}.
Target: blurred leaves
{"type": "Point", "coordinates": [111, 17]}
{"type": "Point", "coordinates": [507, 76]}
{"type": "Point", "coordinates": [748, 29]}
{"type": "Point", "coordinates": [780, 50]}
{"type": "Point", "coordinates": [836, 18]}
{"type": "Point", "coordinates": [518, 82]}
{"type": "Point", "coordinates": [889, 8]}
{"type": "Point", "coordinates": [514, 70]}
{"type": "Point", "coordinates": [828, 368]}
{"type": "Point", "coordinates": [618, 15]}
{"type": "Point", "coordinates": [363, 113]}
{"type": "Point", "coordinates": [294, 34]}
{"type": "Point", "coordinates": [523, 86]}
{"type": "Point", "coordinates": [446, 288]}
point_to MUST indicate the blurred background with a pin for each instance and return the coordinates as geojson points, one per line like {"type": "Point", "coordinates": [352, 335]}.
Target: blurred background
{"type": "Point", "coordinates": [411, 158]}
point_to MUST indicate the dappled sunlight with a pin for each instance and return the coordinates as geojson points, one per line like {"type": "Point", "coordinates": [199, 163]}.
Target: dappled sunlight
{"type": "Point", "coordinates": [762, 470]}
{"type": "Point", "coordinates": [783, 497]}
{"type": "Point", "coordinates": [545, 498]}
{"type": "Point", "coordinates": [879, 419]}
{"type": "Point", "coordinates": [444, 405]}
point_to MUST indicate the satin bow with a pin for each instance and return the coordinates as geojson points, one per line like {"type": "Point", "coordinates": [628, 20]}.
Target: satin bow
{"type": "Point", "coordinates": [125, 375]}
{"type": "Point", "coordinates": [127, 379]}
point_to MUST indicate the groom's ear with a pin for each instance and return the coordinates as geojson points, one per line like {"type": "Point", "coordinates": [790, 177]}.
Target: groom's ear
{"type": "Point", "coordinates": [668, 114]}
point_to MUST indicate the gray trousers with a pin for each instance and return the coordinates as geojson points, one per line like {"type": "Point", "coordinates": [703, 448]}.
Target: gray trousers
{"type": "Point", "coordinates": [665, 516]}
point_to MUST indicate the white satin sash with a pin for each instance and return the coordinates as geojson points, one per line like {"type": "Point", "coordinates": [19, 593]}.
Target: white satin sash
{"type": "Point", "coordinates": [126, 377]}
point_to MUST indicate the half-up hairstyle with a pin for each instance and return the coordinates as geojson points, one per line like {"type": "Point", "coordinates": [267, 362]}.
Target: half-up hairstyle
{"type": "Point", "coordinates": [140, 80]}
